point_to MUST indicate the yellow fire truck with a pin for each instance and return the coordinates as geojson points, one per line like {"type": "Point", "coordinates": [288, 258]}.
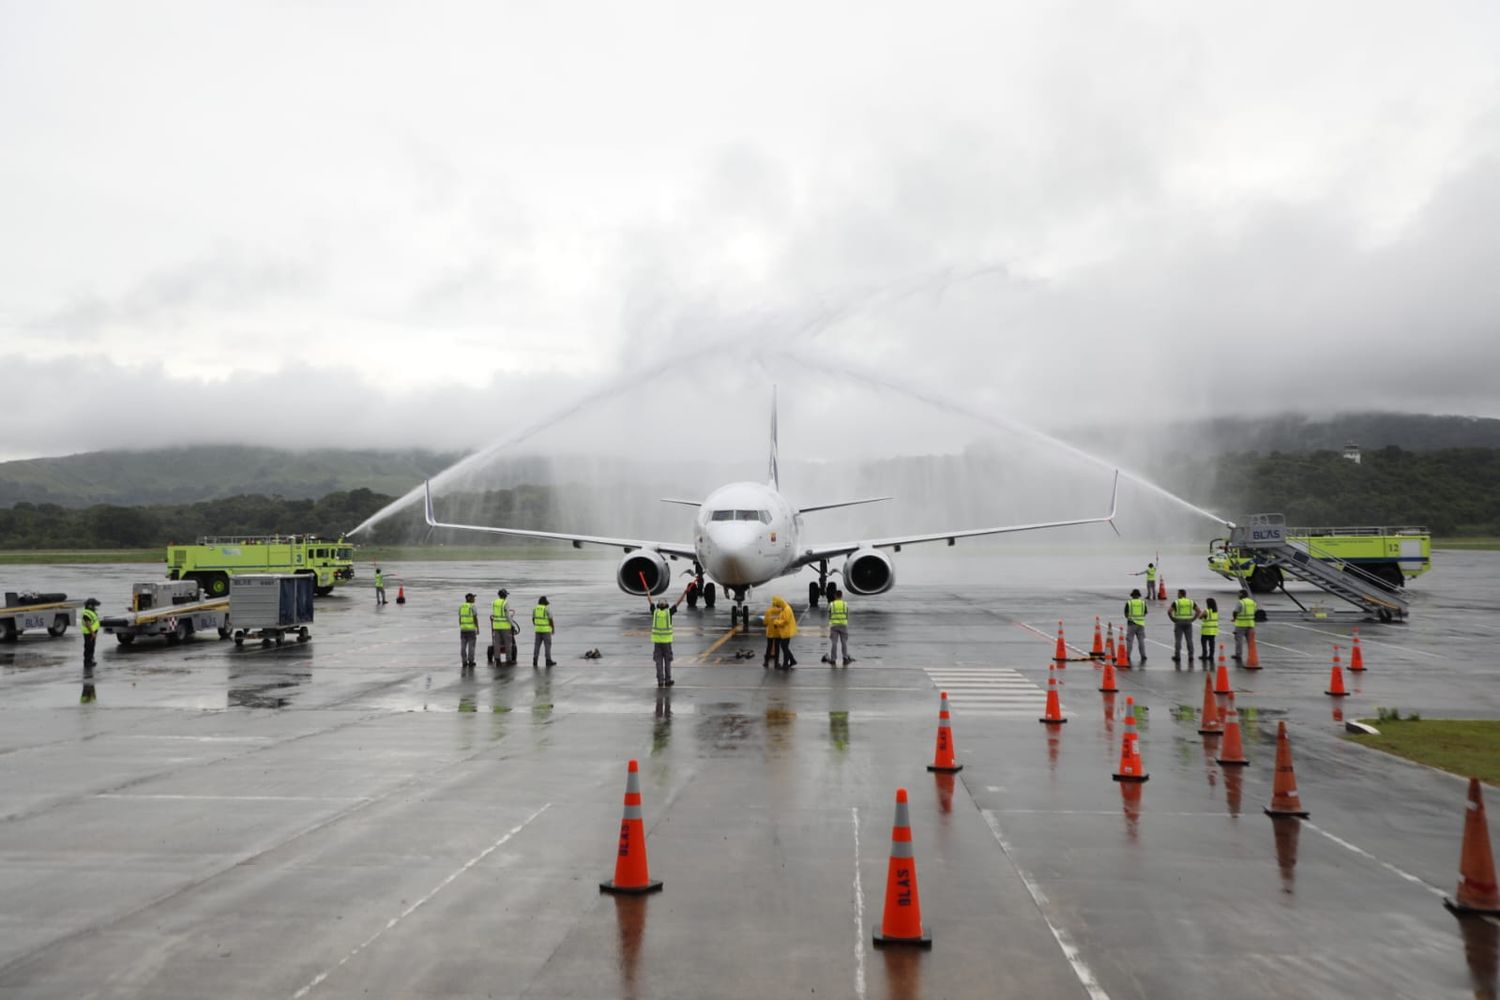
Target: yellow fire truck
{"type": "Point", "coordinates": [1392, 555]}
{"type": "Point", "coordinates": [212, 561]}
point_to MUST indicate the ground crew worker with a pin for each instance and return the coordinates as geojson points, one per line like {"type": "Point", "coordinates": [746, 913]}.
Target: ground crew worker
{"type": "Point", "coordinates": [661, 639]}
{"type": "Point", "coordinates": [1135, 627]}
{"type": "Point", "coordinates": [468, 632]}
{"type": "Point", "coordinates": [1208, 633]}
{"type": "Point", "coordinates": [379, 587]}
{"type": "Point", "coordinates": [1244, 622]}
{"type": "Point", "coordinates": [500, 627]}
{"type": "Point", "coordinates": [88, 622]}
{"type": "Point", "coordinates": [1150, 574]}
{"type": "Point", "coordinates": [1183, 613]}
{"type": "Point", "coordinates": [543, 625]}
{"type": "Point", "coordinates": [781, 626]}
{"type": "Point", "coordinates": [838, 629]}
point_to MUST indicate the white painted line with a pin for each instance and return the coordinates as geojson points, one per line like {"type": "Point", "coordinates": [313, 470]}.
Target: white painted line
{"type": "Point", "coordinates": [1064, 940]}
{"type": "Point", "coordinates": [318, 979]}
{"type": "Point", "coordinates": [234, 798]}
{"type": "Point", "coordinates": [859, 914]}
{"type": "Point", "coordinates": [1365, 640]}
{"type": "Point", "coordinates": [1367, 855]}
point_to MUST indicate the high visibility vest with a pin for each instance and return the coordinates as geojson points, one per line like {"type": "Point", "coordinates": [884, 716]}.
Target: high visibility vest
{"type": "Point", "coordinates": [838, 612]}
{"type": "Point", "coordinates": [1150, 574]}
{"type": "Point", "coordinates": [468, 620]}
{"type": "Point", "coordinates": [1135, 610]}
{"type": "Point", "coordinates": [1244, 614]}
{"type": "Point", "coordinates": [661, 624]}
{"type": "Point", "coordinates": [1184, 608]}
{"type": "Point", "coordinates": [1210, 622]}
{"type": "Point", "coordinates": [498, 620]}
{"type": "Point", "coordinates": [379, 581]}
{"type": "Point", "coordinates": [89, 621]}
{"type": "Point", "coordinates": [541, 619]}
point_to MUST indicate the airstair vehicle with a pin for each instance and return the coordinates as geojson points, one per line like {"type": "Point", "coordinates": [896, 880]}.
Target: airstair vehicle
{"type": "Point", "coordinates": [1266, 535]}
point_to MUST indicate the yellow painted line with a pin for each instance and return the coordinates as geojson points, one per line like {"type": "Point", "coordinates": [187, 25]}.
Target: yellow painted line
{"type": "Point", "coordinates": [711, 650]}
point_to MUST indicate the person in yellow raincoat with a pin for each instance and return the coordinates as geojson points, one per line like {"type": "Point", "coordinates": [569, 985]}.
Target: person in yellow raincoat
{"type": "Point", "coordinates": [781, 626]}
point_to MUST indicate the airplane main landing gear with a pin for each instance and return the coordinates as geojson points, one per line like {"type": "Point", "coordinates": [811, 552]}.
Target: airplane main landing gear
{"type": "Point", "coordinates": [821, 587]}
{"type": "Point", "coordinates": [699, 587]}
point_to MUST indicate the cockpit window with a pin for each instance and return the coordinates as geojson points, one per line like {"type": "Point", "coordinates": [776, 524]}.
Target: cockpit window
{"type": "Point", "coordinates": [763, 516]}
{"type": "Point", "coordinates": [723, 515]}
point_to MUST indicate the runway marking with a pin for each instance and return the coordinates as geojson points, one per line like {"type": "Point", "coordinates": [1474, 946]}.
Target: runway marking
{"type": "Point", "coordinates": [711, 650]}
{"type": "Point", "coordinates": [1053, 638]}
{"type": "Point", "coordinates": [987, 691]}
{"type": "Point", "coordinates": [1367, 855]}
{"type": "Point", "coordinates": [318, 979]}
{"type": "Point", "coordinates": [1064, 940]}
{"type": "Point", "coordinates": [859, 914]}
{"type": "Point", "coordinates": [1364, 640]}
{"type": "Point", "coordinates": [235, 798]}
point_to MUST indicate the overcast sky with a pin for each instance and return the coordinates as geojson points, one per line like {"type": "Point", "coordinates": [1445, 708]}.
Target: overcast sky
{"type": "Point", "coordinates": [431, 224]}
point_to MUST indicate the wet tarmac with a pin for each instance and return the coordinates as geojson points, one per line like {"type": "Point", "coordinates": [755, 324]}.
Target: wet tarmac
{"type": "Point", "coordinates": [353, 817]}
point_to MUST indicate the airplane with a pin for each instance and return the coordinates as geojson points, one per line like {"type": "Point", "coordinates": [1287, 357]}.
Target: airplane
{"type": "Point", "coordinates": [747, 534]}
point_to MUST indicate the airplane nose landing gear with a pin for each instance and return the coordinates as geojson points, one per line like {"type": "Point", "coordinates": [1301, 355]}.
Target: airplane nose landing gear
{"type": "Point", "coordinates": [699, 587]}
{"type": "Point", "coordinates": [739, 611]}
{"type": "Point", "coordinates": [821, 587]}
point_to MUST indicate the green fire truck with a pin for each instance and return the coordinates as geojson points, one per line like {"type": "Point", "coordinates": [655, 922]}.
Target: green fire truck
{"type": "Point", "coordinates": [212, 561]}
{"type": "Point", "coordinates": [1392, 555]}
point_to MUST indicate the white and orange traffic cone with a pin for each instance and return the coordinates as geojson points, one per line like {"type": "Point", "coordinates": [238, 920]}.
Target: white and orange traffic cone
{"type": "Point", "coordinates": [1284, 798]}
{"type": "Point", "coordinates": [1053, 715]}
{"type": "Point", "coordinates": [943, 757]}
{"type": "Point", "coordinates": [901, 922]}
{"type": "Point", "coordinates": [632, 874]}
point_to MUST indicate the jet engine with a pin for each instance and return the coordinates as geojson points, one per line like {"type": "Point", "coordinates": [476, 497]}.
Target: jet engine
{"type": "Point", "coordinates": [646, 563]}
{"type": "Point", "coordinates": [868, 571]}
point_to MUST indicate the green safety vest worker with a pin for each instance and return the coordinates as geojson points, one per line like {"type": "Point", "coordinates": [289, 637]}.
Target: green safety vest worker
{"type": "Point", "coordinates": [838, 612]}
{"type": "Point", "coordinates": [1184, 608]}
{"type": "Point", "coordinates": [468, 620]}
{"type": "Point", "coordinates": [1244, 614]}
{"type": "Point", "coordinates": [1151, 573]}
{"type": "Point", "coordinates": [541, 619]}
{"type": "Point", "coordinates": [499, 620]}
{"type": "Point", "coordinates": [379, 580]}
{"type": "Point", "coordinates": [661, 624]}
{"type": "Point", "coordinates": [1210, 621]}
{"type": "Point", "coordinates": [1135, 610]}
{"type": "Point", "coordinates": [89, 621]}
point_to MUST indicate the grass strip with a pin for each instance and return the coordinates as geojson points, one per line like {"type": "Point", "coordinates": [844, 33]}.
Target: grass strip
{"type": "Point", "coordinates": [1465, 747]}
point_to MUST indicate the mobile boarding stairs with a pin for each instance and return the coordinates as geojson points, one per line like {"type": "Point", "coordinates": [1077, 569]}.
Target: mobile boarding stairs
{"type": "Point", "coordinates": [1266, 535]}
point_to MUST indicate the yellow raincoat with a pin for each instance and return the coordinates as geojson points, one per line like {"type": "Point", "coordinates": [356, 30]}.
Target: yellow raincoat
{"type": "Point", "coordinates": [781, 620]}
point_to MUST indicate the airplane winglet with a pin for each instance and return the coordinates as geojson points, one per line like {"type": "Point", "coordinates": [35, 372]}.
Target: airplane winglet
{"type": "Point", "coordinates": [431, 517]}
{"type": "Point", "coordinates": [1114, 502]}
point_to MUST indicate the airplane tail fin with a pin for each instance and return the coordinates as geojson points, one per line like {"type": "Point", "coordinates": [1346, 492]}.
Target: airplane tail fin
{"type": "Point", "coordinates": [775, 474]}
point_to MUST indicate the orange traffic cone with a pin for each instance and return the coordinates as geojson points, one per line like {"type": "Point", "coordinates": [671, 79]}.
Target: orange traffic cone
{"type": "Point", "coordinates": [1221, 681]}
{"type": "Point", "coordinates": [1161, 590]}
{"type": "Point", "coordinates": [1097, 653]}
{"type": "Point", "coordinates": [1356, 655]}
{"type": "Point", "coordinates": [1122, 651]}
{"type": "Point", "coordinates": [632, 876]}
{"type": "Point", "coordinates": [1476, 865]}
{"type": "Point", "coordinates": [1252, 655]}
{"type": "Point", "coordinates": [1210, 724]}
{"type": "Point", "coordinates": [1131, 768]}
{"type": "Point", "coordinates": [1053, 716]}
{"type": "Point", "coordinates": [401, 594]}
{"type": "Point", "coordinates": [1336, 679]}
{"type": "Point", "coordinates": [1109, 643]}
{"type": "Point", "coordinates": [942, 758]}
{"type": "Point", "coordinates": [1108, 684]}
{"type": "Point", "coordinates": [902, 921]}
{"type": "Point", "coordinates": [1284, 798]}
{"type": "Point", "coordinates": [1232, 751]}
{"type": "Point", "coordinates": [1061, 655]}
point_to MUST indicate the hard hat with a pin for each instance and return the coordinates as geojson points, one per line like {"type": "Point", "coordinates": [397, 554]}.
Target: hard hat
{"type": "Point", "coordinates": [92, 602]}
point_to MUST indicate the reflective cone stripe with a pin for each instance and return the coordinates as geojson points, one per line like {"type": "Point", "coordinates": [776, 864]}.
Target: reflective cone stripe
{"type": "Point", "coordinates": [1210, 724]}
{"type": "Point", "coordinates": [1356, 655]}
{"type": "Point", "coordinates": [1122, 651]}
{"type": "Point", "coordinates": [1221, 681]}
{"type": "Point", "coordinates": [1232, 751]}
{"type": "Point", "coordinates": [1053, 715]}
{"type": "Point", "coordinates": [1336, 679]}
{"type": "Point", "coordinates": [1109, 643]}
{"type": "Point", "coordinates": [1131, 768]}
{"type": "Point", "coordinates": [1252, 655]}
{"type": "Point", "coordinates": [1284, 799]}
{"type": "Point", "coordinates": [1098, 651]}
{"type": "Point", "coordinates": [632, 874]}
{"type": "Point", "coordinates": [901, 922]}
{"type": "Point", "coordinates": [943, 756]}
{"type": "Point", "coordinates": [1108, 685]}
{"type": "Point", "coordinates": [1476, 892]}
{"type": "Point", "coordinates": [1061, 655]}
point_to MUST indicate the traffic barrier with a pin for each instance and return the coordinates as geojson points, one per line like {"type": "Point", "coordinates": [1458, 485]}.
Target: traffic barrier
{"type": "Point", "coordinates": [901, 923]}
{"type": "Point", "coordinates": [1336, 678]}
{"type": "Point", "coordinates": [632, 874]}
{"type": "Point", "coordinates": [1097, 653]}
{"type": "Point", "coordinates": [1210, 724]}
{"type": "Point", "coordinates": [1053, 715]}
{"type": "Point", "coordinates": [1252, 655]}
{"type": "Point", "coordinates": [1061, 655]}
{"type": "Point", "coordinates": [1476, 864]}
{"type": "Point", "coordinates": [401, 594]}
{"type": "Point", "coordinates": [1131, 768]}
{"type": "Point", "coordinates": [1356, 655]}
{"type": "Point", "coordinates": [1107, 685]}
{"type": "Point", "coordinates": [1221, 681]}
{"type": "Point", "coordinates": [1284, 798]}
{"type": "Point", "coordinates": [943, 758]}
{"type": "Point", "coordinates": [1232, 750]}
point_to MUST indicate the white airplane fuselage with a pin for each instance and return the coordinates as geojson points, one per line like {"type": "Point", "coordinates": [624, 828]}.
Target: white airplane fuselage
{"type": "Point", "coordinates": [746, 535]}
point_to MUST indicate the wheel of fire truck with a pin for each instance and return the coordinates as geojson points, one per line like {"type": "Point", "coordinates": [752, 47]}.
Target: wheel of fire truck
{"type": "Point", "coordinates": [1265, 579]}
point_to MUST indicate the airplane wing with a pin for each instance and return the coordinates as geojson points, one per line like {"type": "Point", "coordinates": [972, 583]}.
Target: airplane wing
{"type": "Point", "coordinates": [842, 503]}
{"type": "Point", "coordinates": [628, 544]}
{"type": "Point", "coordinates": [822, 552]}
